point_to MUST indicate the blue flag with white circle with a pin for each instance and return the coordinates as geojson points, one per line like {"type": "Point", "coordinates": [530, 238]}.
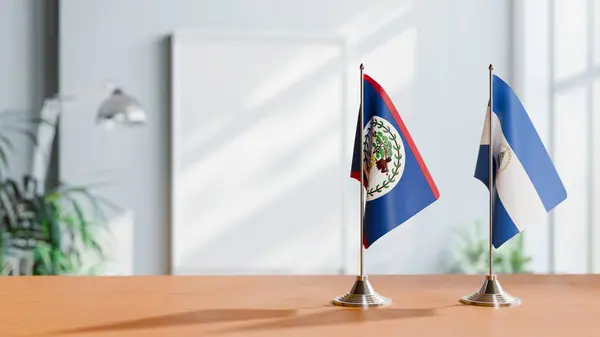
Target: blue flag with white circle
{"type": "Point", "coordinates": [397, 182]}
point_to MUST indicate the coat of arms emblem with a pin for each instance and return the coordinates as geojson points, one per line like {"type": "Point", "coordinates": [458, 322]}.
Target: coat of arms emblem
{"type": "Point", "coordinates": [504, 156]}
{"type": "Point", "coordinates": [383, 157]}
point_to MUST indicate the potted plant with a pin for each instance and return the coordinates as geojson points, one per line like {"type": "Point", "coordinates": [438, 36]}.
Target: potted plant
{"type": "Point", "coordinates": [471, 255]}
{"type": "Point", "coordinates": [52, 232]}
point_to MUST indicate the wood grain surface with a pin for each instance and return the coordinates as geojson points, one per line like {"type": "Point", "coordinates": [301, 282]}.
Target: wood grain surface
{"type": "Point", "coordinates": [290, 306]}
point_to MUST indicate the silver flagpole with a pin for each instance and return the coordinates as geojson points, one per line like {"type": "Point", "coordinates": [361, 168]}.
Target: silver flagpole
{"type": "Point", "coordinates": [362, 294]}
{"type": "Point", "coordinates": [491, 177]}
{"type": "Point", "coordinates": [491, 293]}
{"type": "Point", "coordinates": [362, 163]}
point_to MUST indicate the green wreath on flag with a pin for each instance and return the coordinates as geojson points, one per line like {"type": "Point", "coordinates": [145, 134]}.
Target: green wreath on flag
{"type": "Point", "coordinates": [379, 152]}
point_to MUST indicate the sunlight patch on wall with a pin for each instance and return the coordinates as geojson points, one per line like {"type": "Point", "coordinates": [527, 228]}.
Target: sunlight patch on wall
{"type": "Point", "coordinates": [374, 17]}
{"type": "Point", "coordinates": [309, 61]}
{"type": "Point", "coordinates": [399, 71]}
{"type": "Point", "coordinates": [571, 46]}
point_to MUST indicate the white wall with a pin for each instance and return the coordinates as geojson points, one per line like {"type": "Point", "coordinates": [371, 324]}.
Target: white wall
{"type": "Point", "coordinates": [431, 56]}
{"type": "Point", "coordinates": [22, 67]}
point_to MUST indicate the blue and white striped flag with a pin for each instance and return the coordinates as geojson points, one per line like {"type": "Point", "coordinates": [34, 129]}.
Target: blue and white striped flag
{"type": "Point", "coordinates": [527, 185]}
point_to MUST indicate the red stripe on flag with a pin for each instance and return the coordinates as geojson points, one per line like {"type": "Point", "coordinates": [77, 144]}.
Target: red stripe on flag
{"type": "Point", "coordinates": [404, 130]}
{"type": "Point", "coordinates": [356, 175]}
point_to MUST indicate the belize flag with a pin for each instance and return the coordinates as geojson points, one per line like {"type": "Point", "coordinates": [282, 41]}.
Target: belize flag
{"type": "Point", "coordinates": [397, 181]}
{"type": "Point", "coordinates": [526, 183]}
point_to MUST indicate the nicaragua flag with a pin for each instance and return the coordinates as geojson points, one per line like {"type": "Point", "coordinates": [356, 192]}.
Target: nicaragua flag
{"type": "Point", "coordinates": [397, 181]}
{"type": "Point", "coordinates": [527, 185]}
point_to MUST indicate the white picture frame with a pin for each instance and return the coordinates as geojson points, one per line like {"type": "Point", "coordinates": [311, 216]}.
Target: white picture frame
{"type": "Point", "coordinates": [234, 250]}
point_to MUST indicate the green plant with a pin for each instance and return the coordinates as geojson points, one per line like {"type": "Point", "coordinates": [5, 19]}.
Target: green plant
{"type": "Point", "coordinates": [53, 232]}
{"type": "Point", "coordinates": [54, 226]}
{"type": "Point", "coordinates": [471, 256]}
{"type": "Point", "coordinates": [67, 217]}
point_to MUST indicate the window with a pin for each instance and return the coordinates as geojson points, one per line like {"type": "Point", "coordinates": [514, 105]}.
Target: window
{"type": "Point", "coordinates": [557, 66]}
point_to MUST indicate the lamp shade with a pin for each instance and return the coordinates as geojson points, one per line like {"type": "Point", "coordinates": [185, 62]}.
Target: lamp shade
{"type": "Point", "coordinates": [120, 108]}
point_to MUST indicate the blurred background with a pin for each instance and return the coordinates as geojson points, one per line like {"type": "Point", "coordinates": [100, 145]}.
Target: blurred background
{"type": "Point", "coordinates": [233, 124]}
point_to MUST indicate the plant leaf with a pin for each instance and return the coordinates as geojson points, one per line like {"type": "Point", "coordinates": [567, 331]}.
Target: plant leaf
{"type": "Point", "coordinates": [27, 133]}
{"type": "Point", "coordinates": [83, 223]}
{"type": "Point", "coordinates": [43, 254]}
{"type": "Point", "coordinates": [6, 141]}
{"type": "Point", "coordinates": [3, 158]}
{"type": "Point", "coordinates": [54, 227]}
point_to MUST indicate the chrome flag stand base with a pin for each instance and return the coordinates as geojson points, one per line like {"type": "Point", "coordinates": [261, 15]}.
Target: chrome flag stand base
{"type": "Point", "coordinates": [491, 294]}
{"type": "Point", "coordinates": [362, 295]}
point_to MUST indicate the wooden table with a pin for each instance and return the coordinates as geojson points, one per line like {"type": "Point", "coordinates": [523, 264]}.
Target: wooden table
{"type": "Point", "coordinates": [292, 306]}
